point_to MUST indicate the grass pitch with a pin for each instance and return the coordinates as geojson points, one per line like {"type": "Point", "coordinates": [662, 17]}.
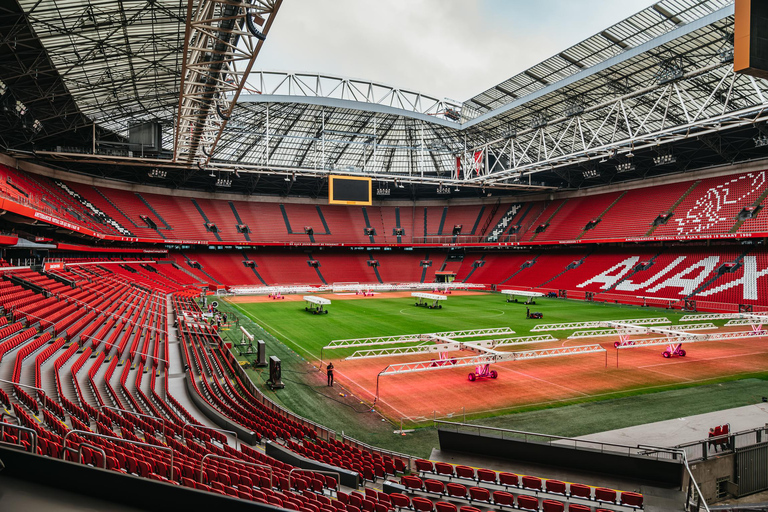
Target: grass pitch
{"type": "Point", "coordinates": [297, 337]}
{"type": "Point", "coordinates": [365, 318]}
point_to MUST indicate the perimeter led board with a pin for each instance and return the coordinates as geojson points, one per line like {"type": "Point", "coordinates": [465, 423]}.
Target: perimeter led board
{"type": "Point", "coordinates": [751, 38]}
{"type": "Point", "coordinates": [348, 190]}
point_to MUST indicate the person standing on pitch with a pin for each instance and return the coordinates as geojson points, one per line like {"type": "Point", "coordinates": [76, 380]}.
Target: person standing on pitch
{"type": "Point", "coordinates": [329, 372]}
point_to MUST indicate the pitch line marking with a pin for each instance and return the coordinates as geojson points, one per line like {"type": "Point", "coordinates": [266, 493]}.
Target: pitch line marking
{"type": "Point", "coordinates": [372, 394]}
{"type": "Point", "coordinates": [699, 360]}
{"type": "Point", "coordinates": [543, 380]}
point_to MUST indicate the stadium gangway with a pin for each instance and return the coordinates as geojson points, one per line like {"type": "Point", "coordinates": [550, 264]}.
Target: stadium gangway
{"type": "Point", "coordinates": [426, 298]}
{"type": "Point", "coordinates": [490, 357]}
{"type": "Point", "coordinates": [599, 323]}
{"type": "Point", "coordinates": [429, 348]}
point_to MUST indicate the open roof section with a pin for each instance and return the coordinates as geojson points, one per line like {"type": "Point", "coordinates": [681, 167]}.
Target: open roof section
{"type": "Point", "coordinates": [632, 32]}
{"type": "Point", "coordinates": [121, 65]}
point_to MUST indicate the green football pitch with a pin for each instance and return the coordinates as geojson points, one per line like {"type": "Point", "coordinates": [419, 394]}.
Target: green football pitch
{"type": "Point", "coordinates": [372, 317]}
{"type": "Point", "coordinates": [297, 337]}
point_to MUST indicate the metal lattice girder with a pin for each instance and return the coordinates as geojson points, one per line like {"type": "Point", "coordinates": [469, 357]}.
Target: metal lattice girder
{"type": "Point", "coordinates": [605, 333]}
{"type": "Point", "coordinates": [522, 340]}
{"type": "Point", "coordinates": [566, 326]}
{"type": "Point", "coordinates": [716, 336]}
{"type": "Point", "coordinates": [705, 100]}
{"type": "Point", "coordinates": [601, 323]}
{"type": "Point", "coordinates": [475, 333]}
{"type": "Point", "coordinates": [692, 327]}
{"type": "Point", "coordinates": [221, 44]}
{"type": "Point", "coordinates": [737, 335]}
{"type": "Point", "coordinates": [501, 357]}
{"type": "Point", "coordinates": [708, 316]}
{"type": "Point", "coordinates": [411, 338]}
{"type": "Point", "coordinates": [381, 340]}
{"type": "Point", "coordinates": [449, 345]}
{"type": "Point", "coordinates": [427, 348]}
{"type": "Point", "coordinates": [315, 85]}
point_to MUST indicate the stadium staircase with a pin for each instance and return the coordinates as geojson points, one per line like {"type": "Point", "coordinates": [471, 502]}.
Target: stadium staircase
{"type": "Point", "coordinates": [719, 272]}
{"type": "Point", "coordinates": [676, 204]}
{"type": "Point", "coordinates": [489, 219]}
{"type": "Point", "coordinates": [201, 269]}
{"type": "Point", "coordinates": [638, 268]}
{"type": "Point", "coordinates": [317, 268]}
{"type": "Point", "coordinates": [253, 268]}
{"type": "Point", "coordinates": [205, 219]}
{"type": "Point", "coordinates": [549, 219]}
{"type": "Point", "coordinates": [102, 216]}
{"type": "Point", "coordinates": [755, 204]}
{"type": "Point", "coordinates": [155, 212]}
{"type": "Point", "coordinates": [240, 222]}
{"type": "Point", "coordinates": [504, 222]}
{"type": "Point", "coordinates": [570, 266]}
{"type": "Point", "coordinates": [375, 268]}
{"type": "Point", "coordinates": [524, 266]}
{"type": "Point", "coordinates": [599, 218]}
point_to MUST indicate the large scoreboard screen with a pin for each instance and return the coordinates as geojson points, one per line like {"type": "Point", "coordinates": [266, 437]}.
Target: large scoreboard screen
{"type": "Point", "coordinates": [349, 190]}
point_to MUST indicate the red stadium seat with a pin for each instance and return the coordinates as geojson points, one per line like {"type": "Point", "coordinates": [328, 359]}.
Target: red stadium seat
{"type": "Point", "coordinates": [555, 487]}
{"type": "Point", "coordinates": [479, 494]}
{"type": "Point", "coordinates": [486, 475]}
{"type": "Point", "coordinates": [632, 499]}
{"type": "Point", "coordinates": [443, 468]}
{"type": "Point", "coordinates": [552, 506]}
{"type": "Point", "coordinates": [525, 502]}
{"type": "Point", "coordinates": [400, 500]}
{"type": "Point", "coordinates": [606, 495]}
{"type": "Point", "coordinates": [442, 506]}
{"type": "Point", "coordinates": [456, 490]}
{"type": "Point", "coordinates": [503, 498]}
{"type": "Point", "coordinates": [531, 482]}
{"type": "Point", "coordinates": [581, 491]}
{"type": "Point", "coordinates": [424, 466]}
{"type": "Point", "coordinates": [576, 507]}
{"type": "Point", "coordinates": [434, 486]}
{"type": "Point", "coordinates": [422, 504]}
{"type": "Point", "coordinates": [465, 472]}
{"type": "Point", "coordinates": [509, 480]}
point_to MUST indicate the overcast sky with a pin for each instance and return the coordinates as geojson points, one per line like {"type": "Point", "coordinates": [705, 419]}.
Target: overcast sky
{"type": "Point", "coordinates": [443, 48]}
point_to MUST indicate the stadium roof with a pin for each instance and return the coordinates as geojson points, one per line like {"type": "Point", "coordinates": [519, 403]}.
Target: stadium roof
{"type": "Point", "coordinates": [633, 32]}
{"type": "Point", "coordinates": [114, 68]}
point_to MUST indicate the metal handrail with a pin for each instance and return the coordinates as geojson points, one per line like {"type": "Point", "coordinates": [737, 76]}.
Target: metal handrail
{"type": "Point", "coordinates": [534, 434]}
{"type": "Point", "coordinates": [119, 439]}
{"type": "Point", "coordinates": [188, 424]}
{"type": "Point", "coordinates": [23, 429]}
{"type": "Point", "coordinates": [687, 468]}
{"type": "Point", "coordinates": [88, 445]}
{"type": "Point", "coordinates": [163, 420]}
{"type": "Point", "coordinates": [221, 457]}
{"type": "Point", "coordinates": [39, 390]}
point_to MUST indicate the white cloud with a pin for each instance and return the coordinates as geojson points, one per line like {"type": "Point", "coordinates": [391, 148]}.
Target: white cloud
{"type": "Point", "coordinates": [444, 48]}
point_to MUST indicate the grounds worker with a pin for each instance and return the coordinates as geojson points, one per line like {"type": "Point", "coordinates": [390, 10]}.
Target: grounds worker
{"type": "Point", "coordinates": [329, 371]}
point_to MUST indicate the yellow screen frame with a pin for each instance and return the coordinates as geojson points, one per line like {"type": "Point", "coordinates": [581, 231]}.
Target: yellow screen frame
{"type": "Point", "coordinates": [331, 179]}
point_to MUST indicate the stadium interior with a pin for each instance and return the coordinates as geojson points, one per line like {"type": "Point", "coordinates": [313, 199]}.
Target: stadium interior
{"type": "Point", "coordinates": [148, 170]}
